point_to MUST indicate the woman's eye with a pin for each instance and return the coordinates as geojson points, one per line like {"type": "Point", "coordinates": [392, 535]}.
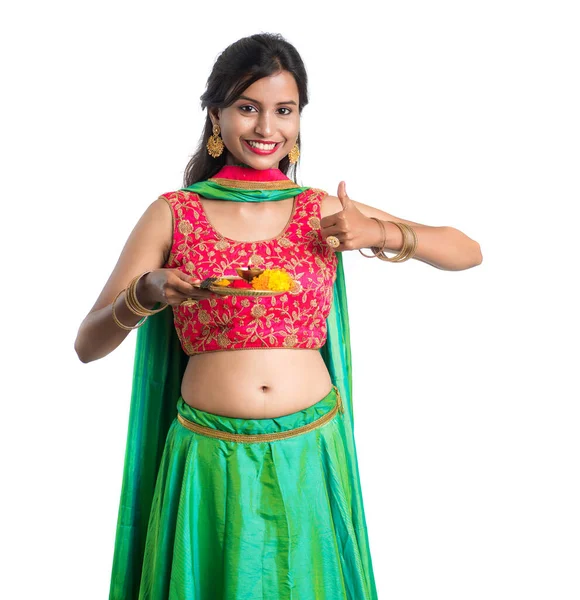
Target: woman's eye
{"type": "Point", "coordinates": [286, 113]}
{"type": "Point", "coordinates": [243, 108]}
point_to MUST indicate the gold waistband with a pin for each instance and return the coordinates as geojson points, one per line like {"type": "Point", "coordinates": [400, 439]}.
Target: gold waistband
{"type": "Point", "coordinates": [263, 437]}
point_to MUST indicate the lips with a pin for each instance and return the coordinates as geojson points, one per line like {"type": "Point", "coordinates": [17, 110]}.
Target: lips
{"type": "Point", "coordinates": [261, 150]}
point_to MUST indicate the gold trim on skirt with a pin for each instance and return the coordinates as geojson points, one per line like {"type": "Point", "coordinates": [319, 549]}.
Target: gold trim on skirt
{"type": "Point", "coordinates": [264, 437]}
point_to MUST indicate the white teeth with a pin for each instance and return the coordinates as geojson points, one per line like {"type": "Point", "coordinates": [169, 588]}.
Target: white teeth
{"type": "Point", "coordinates": [261, 146]}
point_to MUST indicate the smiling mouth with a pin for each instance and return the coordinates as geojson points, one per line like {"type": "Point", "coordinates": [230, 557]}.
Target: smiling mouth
{"type": "Point", "coordinates": [262, 145]}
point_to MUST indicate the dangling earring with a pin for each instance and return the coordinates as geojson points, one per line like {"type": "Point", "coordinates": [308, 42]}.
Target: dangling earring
{"type": "Point", "coordinates": [215, 144]}
{"type": "Point", "coordinates": [294, 154]}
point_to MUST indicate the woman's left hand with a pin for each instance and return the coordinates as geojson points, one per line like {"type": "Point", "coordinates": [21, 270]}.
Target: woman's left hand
{"type": "Point", "coordinates": [350, 226]}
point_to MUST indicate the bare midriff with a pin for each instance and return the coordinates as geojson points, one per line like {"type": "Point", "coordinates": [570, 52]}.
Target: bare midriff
{"type": "Point", "coordinates": [255, 383]}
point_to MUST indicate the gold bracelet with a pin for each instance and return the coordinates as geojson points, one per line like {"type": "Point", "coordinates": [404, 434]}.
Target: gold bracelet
{"type": "Point", "coordinates": [414, 242]}
{"type": "Point", "coordinates": [383, 241]}
{"type": "Point", "coordinates": [409, 245]}
{"type": "Point", "coordinates": [133, 303]}
{"type": "Point", "coordinates": [126, 327]}
{"type": "Point", "coordinates": [400, 256]}
{"type": "Point", "coordinates": [412, 239]}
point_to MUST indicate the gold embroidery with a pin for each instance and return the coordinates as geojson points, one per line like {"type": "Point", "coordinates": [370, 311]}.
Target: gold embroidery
{"type": "Point", "coordinates": [290, 340]}
{"type": "Point", "coordinates": [284, 184]}
{"type": "Point", "coordinates": [296, 288]}
{"type": "Point", "coordinates": [204, 317]}
{"type": "Point", "coordinates": [255, 260]}
{"type": "Point", "coordinates": [185, 227]}
{"type": "Point", "coordinates": [314, 222]}
{"type": "Point", "coordinates": [258, 310]}
{"type": "Point", "coordinates": [255, 438]}
{"type": "Point", "coordinates": [255, 348]}
{"type": "Point", "coordinates": [297, 320]}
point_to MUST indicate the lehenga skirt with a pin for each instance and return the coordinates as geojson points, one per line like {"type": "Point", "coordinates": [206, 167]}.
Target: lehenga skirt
{"type": "Point", "coordinates": [258, 509]}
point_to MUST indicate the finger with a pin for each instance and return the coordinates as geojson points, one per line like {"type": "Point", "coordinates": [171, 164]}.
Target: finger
{"type": "Point", "coordinates": [185, 277]}
{"type": "Point", "coordinates": [184, 288]}
{"type": "Point", "coordinates": [342, 195]}
{"type": "Point", "coordinates": [329, 221]}
{"type": "Point", "coordinates": [335, 230]}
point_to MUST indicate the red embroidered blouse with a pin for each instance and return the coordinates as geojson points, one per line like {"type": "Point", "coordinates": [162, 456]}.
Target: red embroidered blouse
{"type": "Point", "coordinates": [295, 319]}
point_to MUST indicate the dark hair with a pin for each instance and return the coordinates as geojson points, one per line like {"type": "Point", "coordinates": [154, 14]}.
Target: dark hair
{"type": "Point", "coordinates": [237, 68]}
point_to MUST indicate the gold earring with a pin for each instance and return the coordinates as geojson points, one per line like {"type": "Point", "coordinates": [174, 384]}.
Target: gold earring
{"type": "Point", "coordinates": [294, 154]}
{"type": "Point", "coordinates": [215, 144]}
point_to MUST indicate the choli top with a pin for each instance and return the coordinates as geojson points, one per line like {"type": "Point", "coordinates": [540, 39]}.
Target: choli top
{"type": "Point", "coordinates": [294, 319]}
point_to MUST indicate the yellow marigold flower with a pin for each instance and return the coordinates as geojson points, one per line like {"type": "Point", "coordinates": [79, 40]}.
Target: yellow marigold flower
{"type": "Point", "coordinates": [222, 282]}
{"type": "Point", "coordinates": [273, 279]}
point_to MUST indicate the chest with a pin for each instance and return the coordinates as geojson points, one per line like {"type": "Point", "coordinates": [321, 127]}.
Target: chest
{"type": "Point", "coordinates": [248, 221]}
{"type": "Point", "coordinates": [213, 238]}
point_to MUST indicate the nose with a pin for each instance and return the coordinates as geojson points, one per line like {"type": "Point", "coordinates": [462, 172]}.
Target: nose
{"type": "Point", "coordinates": [264, 125]}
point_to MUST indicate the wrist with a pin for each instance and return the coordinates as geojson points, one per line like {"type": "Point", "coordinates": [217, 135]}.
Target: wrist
{"type": "Point", "coordinates": [375, 237]}
{"type": "Point", "coordinates": [143, 293]}
{"type": "Point", "coordinates": [394, 239]}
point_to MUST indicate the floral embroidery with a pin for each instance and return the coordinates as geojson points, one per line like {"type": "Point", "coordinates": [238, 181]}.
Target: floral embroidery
{"type": "Point", "coordinates": [258, 310]}
{"type": "Point", "coordinates": [203, 317]}
{"type": "Point", "coordinates": [295, 319]}
{"type": "Point", "coordinates": [256, 260]}
{"type": "Point", "coordinates": [314, 222]}
{"type": "Point", "coordinates": [185, 227]}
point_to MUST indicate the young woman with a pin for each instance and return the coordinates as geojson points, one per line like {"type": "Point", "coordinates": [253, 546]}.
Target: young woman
{"type": "Point", "coordinates": [247, 488]}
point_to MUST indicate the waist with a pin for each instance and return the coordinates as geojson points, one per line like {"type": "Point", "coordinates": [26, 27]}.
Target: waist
{"type": "Point", "coordinates": [261, 430]}
{"type": "Point", "coordinates": [256, 383]}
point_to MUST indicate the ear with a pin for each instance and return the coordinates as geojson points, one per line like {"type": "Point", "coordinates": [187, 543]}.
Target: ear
{"type": "Point", "coordinates": [214, 115]}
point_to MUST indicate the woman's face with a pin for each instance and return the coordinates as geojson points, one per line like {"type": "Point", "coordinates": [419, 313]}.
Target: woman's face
{"type": "Point", "coordinates": [261, 126]}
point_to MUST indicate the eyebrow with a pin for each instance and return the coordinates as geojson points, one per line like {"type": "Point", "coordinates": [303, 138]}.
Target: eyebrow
{"type": "Point", "coordinates": [258, 102]}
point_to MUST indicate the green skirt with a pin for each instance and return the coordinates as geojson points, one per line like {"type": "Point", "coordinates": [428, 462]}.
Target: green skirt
{"type": "Point", "coordinates": [262, 509]}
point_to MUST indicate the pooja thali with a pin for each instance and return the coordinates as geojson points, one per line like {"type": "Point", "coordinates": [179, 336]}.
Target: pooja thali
{"type": "Point", "coordinates": [233, 285]}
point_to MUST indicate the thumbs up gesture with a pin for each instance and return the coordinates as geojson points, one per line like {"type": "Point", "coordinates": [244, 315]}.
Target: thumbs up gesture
{"type": "Point", "coordinates": [349, 227]}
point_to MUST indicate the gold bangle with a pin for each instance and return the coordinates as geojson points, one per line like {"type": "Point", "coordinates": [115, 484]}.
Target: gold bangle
{"type": "Point", "coordinates": [133, 303]}
{"type": "Point", "coordinates": [400, 256]}
{"type": "Point", "coordinates": [413, 241]}
{"type": "Point", "coordinates": [131, 299]}
{"type": "Point", "coordinates": [379, 252]}
{"type": "Point", "coordinates": [409, 245]}
{"type": "Point", "coordinates": [383, 241]}
{"type": "Point", "coordinates": [126, 327]}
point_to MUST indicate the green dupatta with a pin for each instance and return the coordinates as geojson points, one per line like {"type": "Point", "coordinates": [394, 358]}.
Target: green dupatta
{"type": "Point", "coordinates": [159, 366]}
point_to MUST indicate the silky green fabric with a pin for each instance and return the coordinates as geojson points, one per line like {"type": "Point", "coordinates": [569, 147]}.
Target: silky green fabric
{"type": "Point", "coordinates": [267, 520]}
{"type": "Point", "coordinates": [158, 370]}
{"type": "Point", "coordinates": [216, 191]}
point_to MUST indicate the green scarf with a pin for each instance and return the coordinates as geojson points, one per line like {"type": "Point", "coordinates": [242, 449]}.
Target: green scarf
{"type": "Point", "coordinates": [158, 370]}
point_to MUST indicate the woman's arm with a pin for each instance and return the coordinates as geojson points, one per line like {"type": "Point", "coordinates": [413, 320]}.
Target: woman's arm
{"type": "Point", "coordinates": [443, 247]}
{"type": "Point", "coordinates": [146, 249]}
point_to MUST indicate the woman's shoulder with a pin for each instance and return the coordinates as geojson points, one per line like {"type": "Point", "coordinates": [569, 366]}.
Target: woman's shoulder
{"type": "Point", "coordinates": [329, 205]}
{"type": "Point", "coordinates": [177, 198]}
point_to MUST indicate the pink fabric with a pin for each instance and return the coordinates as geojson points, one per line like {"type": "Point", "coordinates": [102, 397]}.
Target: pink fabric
{"type": "Point", "coordinates": [296, 319]}
{"type": "Point", "coordinates": [246, 174]}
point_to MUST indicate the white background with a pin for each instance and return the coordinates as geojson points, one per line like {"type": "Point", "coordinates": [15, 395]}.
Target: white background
{"type": "Point", "coordinates": [466, 401]}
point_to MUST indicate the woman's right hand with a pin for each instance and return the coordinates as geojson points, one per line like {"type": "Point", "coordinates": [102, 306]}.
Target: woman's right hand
{"type": "Point", "coordinates": [169, 286]}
